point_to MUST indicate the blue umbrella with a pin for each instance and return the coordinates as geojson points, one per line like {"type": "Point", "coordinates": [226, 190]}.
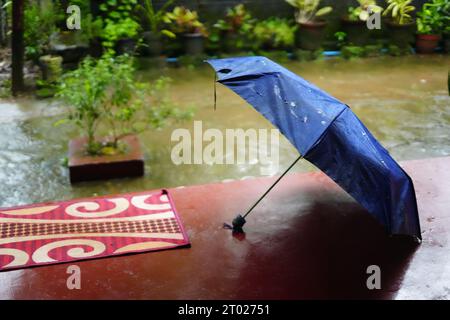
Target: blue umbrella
{"type": "Point", "coordinates": [328, 134]}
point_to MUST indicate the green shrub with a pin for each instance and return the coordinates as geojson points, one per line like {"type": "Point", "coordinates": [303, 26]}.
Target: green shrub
{"type": "Point", "coordinates": [274, 33]}
{"type": "Point", "coordinates": [361, 12]}
{"type": "Point", "coordinates": [349, 52]}
{"type": "Point", "coordinates": [237, 28]}
{"type": "Point", "coordinates": [182, 20]}
{"type": "Point", "coordinates": [307, 55]}
{"type": "Point", "coordinates": [39, 24]}
{"type": "Point", "coordinates": [399, 11]}
{"type": "Point", "coordinates": [153, 18]}
{"type": "Point", "coordinates": [119, 22]}
{"type": "Point", "coordinates": [434, 17]}
{"type": "Point", "coordinates": [308, 10]}
{"type": "Point", "coordinates": [104, 92]}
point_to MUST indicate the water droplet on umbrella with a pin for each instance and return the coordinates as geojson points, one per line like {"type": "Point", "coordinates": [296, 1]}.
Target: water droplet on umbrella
{"type": "Point", "coordinates": [293, 113]}
{"type": "Point", "coordinates": [323, 122]}
{"type": "Point", "coordinates": [277, 91]}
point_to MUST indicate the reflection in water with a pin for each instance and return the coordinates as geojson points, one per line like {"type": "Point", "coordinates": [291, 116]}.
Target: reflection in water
{"type": "Point", "coordinates": [403, 101]}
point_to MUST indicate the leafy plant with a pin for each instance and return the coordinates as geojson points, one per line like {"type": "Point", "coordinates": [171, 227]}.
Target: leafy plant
{"type": "Point", "coordinates": [236, 19]}
{"type": "Point", "coordinates": [183, 20]}
{"type": "Point", "coordinates": [399, 11]}
{"type": "Point", "coordinates": [434, 17]}
{"type": "Point", "coordinates": [92, 28]}
{"type": "Point", "coordinates": [104, 92]}
{"type": "Point", "coordinates": [308, 10]}
{"type": "Point", "coordinates": [39, 24]}
{"type": "Point", "coordinates": [341, 37]}
{"type": "Point", "coordinates": [155, 18]}
{"type": "Point", "coordinates": [349, 52]}
{"type": "Point", "coordinates": [362, 11]}
{"type": "Point", "coordinates": [119, 22]}
{"type": "Point", "coordinates": [274, 33]}
{"type": "Point", "coordinates": [237, 27]}
{"type": "Point", "coordinates": [122, 29]}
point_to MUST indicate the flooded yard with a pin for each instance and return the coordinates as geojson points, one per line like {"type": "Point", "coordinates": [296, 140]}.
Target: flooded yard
{"type": "Point", "coordinates": [403, 101]}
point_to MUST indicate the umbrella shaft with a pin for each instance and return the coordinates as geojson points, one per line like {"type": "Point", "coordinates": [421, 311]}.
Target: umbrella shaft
{"type": "Point", "coordinates": [272, 186]}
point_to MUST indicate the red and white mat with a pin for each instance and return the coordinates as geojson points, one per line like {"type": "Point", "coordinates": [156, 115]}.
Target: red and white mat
{"type": "Point", "coordinates": [90, 228]}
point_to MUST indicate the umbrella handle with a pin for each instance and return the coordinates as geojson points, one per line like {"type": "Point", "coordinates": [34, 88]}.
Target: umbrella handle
{"type": "Point", "coordinates": [239, 221]}
{"type": "Point", "coordinates": [272, 186]}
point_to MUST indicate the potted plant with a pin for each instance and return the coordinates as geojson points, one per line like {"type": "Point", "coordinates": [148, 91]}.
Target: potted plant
{"type": "Point", "coordinates": [312, 28]}
{"type": "Point", "coordinates": [120, 29]}
{"type": "Point", "coordinates": [273, 33]}
{"type": "Point", "coordinates": [354, 23]}
{"type": "Point", "coordinates": [110, 108]}
{"type": "Point", "coordinates": [431, 21]}
{"type": "Point", "coordinates": [401, 24]}
{"type": "Point", "coordinates": [235, 28]}
{"type": "Point", "coordinates": [153, 20]}
{"type": "Point", "coordinates": [185, 23]}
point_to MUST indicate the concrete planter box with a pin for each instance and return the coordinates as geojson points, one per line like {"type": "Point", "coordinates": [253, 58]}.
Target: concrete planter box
{"type": "Point", "coordinates": [83, 167]}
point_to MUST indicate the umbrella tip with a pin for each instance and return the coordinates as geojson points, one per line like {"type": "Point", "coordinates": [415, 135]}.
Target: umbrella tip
{"type": "Point", "coordinates": [238, 223]}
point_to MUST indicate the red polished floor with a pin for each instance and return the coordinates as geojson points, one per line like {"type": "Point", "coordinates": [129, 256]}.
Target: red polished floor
{"type": "Point", "coordinates": [307, 240]}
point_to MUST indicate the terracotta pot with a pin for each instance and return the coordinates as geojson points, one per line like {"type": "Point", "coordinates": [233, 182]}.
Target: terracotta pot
{"type": "Point", "coordinates": [311, 35]}
{"type": "Point", "coordinates": [83, 167]}
{"type": "Point", "coordinates": [401, 35]}
{"type": "Point", "coordinates": [427, 43]}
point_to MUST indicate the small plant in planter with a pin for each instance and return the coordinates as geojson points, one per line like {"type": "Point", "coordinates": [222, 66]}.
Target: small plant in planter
{"type": "Point", "coordinates": [354, 23]}
{"type": "Point", "coordinates": [104, 97]}
{"type": "Point", "coordinates": [273, 33]}
{"type": "Point", "coordinates": [235, 28]}
{"type": "Point", "coordinates": [308, 16]}
{"type": "Point", "coordinates": [431, 21]}
{"type": "Point", "coordinates": [401, 24]}
{"type": "Point", "coordinates": [153, 20]}
{"type": "Point", "coordinates": [185, 23]}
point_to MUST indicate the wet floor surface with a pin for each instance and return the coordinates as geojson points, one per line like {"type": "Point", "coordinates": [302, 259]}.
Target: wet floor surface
{"type": "Point", "coordinates": [307, 240]}
{"type": "Point", "coordinates": [403, 101]}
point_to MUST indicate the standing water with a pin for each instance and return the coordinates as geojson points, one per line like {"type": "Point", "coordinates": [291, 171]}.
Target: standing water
{"type": "Point", "coordinates": [403, 101]}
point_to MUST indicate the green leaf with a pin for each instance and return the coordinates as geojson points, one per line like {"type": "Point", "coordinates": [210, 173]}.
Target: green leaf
{"type": "Point", "coordinates": [168, 33]}
{"type": "Point", "coordinates": [324, 11]}
{"type": "Point", "coordinates": [61, 122]}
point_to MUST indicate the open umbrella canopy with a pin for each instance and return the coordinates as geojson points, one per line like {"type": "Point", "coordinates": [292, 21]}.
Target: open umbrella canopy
{"type": "Point", "coordinates": [329, 135]}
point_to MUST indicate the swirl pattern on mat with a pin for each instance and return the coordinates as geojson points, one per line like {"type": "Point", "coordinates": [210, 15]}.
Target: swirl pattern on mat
{"type": "Point", "coordinates": [121, 204]}
{"type": "Point", "coordinates": [41, 255]}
